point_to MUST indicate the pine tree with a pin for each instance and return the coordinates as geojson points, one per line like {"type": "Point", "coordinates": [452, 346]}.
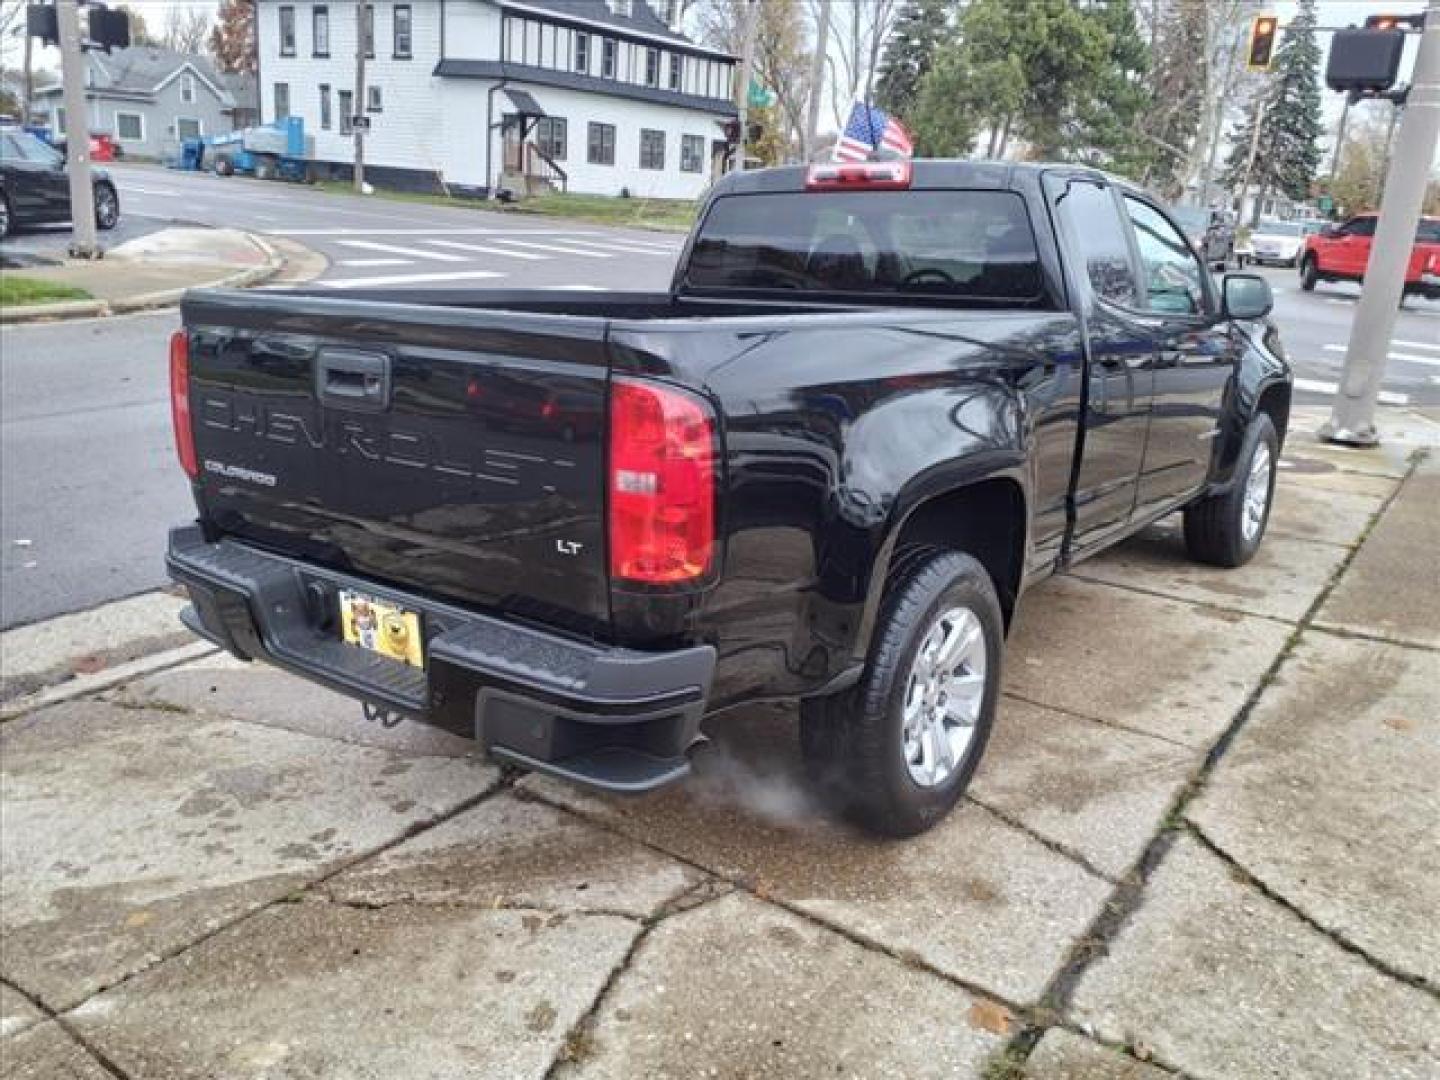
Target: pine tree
{"type": "Point", "coordinates": [1289, 146]}
{"type": "Point", "coordinates": [1104, 125]}
{"type": "Point", "coordinates": [919, 32]}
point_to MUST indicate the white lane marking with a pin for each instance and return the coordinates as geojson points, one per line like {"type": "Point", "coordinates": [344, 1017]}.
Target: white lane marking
{"type": "Point", "coordinates": [377, 262]}
{"type": "Point", "coordinates": [658, 245]}
{"type": "Point", "coordinates": [408, 279]}
{"type": "Point", "coordinates": [408, 252]}
{"type": "Point", "coordinates": [573, 288]}
{"type": "Point", "coordinates": [484, 250]}
{"type": "Point", "coordinates": [619, 245]}
{"type": "Point", "coordinates": [1317, 386]}
{"type": "Point", "coordinates": [433, 230]}
{"type": "Point", "coordinates": [552, 248]}
{"type": "Point", "coordinates": [1409, 358]}
{"type": "Point", "coordinates": [1343, 303]}
{"type": "Point", "coordinates": [1434, 346]}
{"type": "Point", "coordinates": [127, 187]}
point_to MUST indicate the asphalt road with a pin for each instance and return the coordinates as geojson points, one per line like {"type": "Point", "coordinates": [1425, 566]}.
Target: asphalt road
{"type": "Point", "coordinates": [90, 485]}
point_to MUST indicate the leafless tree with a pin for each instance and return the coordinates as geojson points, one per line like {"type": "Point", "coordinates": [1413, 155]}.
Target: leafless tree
{"type": "Point", "coordinates": [858, 32]}
{"type": "Point", "coordinates": [186, 30]}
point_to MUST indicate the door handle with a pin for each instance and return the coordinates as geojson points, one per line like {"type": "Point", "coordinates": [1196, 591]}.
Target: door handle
{"type": "Point", "coordinates": [358, 381]}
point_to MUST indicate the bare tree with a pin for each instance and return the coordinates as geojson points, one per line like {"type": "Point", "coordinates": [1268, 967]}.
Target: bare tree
{"type": "Point", "coordinates": [858, 32]}
{"type": "Point", "coordinates": [186, 30]}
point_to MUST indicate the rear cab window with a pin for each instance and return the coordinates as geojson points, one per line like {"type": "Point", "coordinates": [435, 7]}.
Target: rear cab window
{"type": "Point", "coordinates": [955, 245]}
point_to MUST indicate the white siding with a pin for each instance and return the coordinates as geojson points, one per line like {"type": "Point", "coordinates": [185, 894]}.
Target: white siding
{"type": "Point", "coordinates": [408, 133]}
{"type": "Point", "coordinates": [472, 30]}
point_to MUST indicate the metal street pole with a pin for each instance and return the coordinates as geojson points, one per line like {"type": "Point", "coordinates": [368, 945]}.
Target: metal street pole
{"type": "Point", "coordinates": [1339, 140]}
{"type": "Point", "coordinates": [747, 62]}
{"type": "Point", "coordinates": [1395, 113]}
{"type": "Point", "coordinates": [1352, 421]}
{"type": "Point", "coordinates": [83, 243]}
{"type": "Point", "coordinates": [362, 9]}
{"type": "Point", "coordinates": [1250, 161]}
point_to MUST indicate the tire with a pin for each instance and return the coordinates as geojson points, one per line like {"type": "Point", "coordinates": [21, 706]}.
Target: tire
{"type": "Point", "coordinates": [107, 207]}
{"type": "Point", "coordinates": [224, 167]}
{"type": "Point", "coordinates": [898, 780]}
{"type": "Point", "coordinates": [265, 168]}
{"type": "Point", "coordinates": [1226, 529]}
{"type": "Point", "coordinates": [1309, 273]}
{"type": "Point", "coordinates": [7, 216]}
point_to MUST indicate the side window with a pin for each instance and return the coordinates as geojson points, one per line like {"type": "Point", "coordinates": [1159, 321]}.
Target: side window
{"type": "Point", "coordinates": [1360, 226]}
{"type": "Point", "coordinates": [1174, 279]}
{"type": "Point", "coordinates": [1100, 232]}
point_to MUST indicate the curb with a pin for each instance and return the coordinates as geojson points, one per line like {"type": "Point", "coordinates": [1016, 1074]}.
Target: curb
{"type": "Point", "coordinates": [89, 309]}
{"type": "Point", "coordinates": [82, 685]}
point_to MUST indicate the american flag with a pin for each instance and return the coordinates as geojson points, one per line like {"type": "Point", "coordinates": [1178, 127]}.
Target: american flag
{"type": "Point", "coordinates": [870, 129]}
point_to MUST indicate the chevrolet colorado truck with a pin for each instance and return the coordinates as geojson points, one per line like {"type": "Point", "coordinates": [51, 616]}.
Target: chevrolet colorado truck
{"type": "Point", "coordinates": [878, 402]}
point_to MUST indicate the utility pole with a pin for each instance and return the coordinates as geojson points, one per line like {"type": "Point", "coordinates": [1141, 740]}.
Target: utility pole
{"type": "Point", "coordinates": [1340, 139]}
{"type": "Point", "coordinates": [362, 115]}
{"type": "Point", "coordinates": [1395, 113]}
{"type": "Point", "coordinates": [747, 62]}
{"type": "Point", "coordinates": [1352, 421]}
{"type": "Point", "coordinates": [817, 79]}
{"type": "Point", "coordinates": [27, 85]}
{"type": "Point", "coordinates": [83, 243]}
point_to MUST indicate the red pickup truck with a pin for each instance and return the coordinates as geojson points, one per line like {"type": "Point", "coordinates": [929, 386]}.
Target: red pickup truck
{"type": "Point", "coordinates": [1342, 252]}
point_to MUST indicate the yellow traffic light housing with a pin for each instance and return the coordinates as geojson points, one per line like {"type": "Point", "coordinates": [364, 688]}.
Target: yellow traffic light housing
{"type": "Point", "coordinates": [1263, 31]}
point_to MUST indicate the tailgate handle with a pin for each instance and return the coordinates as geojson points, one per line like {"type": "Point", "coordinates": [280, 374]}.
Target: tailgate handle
{"type": "Point", "coordinates": [353, 380]}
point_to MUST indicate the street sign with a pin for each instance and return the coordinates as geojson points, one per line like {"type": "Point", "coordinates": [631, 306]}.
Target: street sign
{"type": "Point", "coordinates": [1325, 204]}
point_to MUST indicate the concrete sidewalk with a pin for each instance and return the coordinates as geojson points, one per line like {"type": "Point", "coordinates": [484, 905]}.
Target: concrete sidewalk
{"type": "Point", "coordinates": [153, 271]}
{"type": "Point", "coordinates": [1205, 842]}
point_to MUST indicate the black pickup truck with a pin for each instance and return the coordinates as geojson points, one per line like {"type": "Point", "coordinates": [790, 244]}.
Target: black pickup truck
{"type": "Point", "coordinates": [878, 402]}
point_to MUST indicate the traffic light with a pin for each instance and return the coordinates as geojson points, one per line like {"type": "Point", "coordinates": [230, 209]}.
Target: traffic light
{"type": "Point", "coordinates": [1263, 31]}
{"type": "Point", "coordinates": [41, 21]}
{"type": "Point", "coordinates": [1395, 22]}
{"type": "Point", "coordinates": [108, 29]}
{"type": "Point", "coordinates": [732, 131]}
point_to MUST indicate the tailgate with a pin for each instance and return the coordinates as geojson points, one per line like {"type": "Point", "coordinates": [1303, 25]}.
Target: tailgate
{"type": "Point", "coordinates": [458, 453]}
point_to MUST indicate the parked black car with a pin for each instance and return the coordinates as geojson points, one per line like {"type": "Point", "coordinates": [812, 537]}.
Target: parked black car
{"type": "Point", "coordinates": [35, 188]}
{"type": "Point", "coordinates": [878, 403]}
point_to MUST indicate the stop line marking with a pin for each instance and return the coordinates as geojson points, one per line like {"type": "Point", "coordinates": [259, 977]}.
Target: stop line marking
{"type": "Point", "coordinates": [1319, 386]}
{"type": "Point", "coordinates": [1409, 358]}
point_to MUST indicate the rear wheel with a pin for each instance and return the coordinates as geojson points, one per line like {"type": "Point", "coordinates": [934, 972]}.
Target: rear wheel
{"type": "Point", "coordinates": [224, 167]}
{"type": "Point", "coordinates": [1309, 273]}
{"type": "Point", "coordinates": [900, 747]}
{"type": "Point", "coordinates": [107, 207]}
{"type": "Point", "coordinates": [266, 167]}
{"type": "Point", "coordinates": [7, 220]}
{"type": "Point", "coordinates": [1226, 529]}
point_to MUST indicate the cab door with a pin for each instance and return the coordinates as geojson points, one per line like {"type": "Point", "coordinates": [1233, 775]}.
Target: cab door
{"type": "Point", "coordinates": [1349, 252]}
{"type": "Point", "coordinates": [23, 180]}
{"type": "Point", "coordinates": [1122, 348]}
{"type": "Point", "coordinates": [1194, 366]}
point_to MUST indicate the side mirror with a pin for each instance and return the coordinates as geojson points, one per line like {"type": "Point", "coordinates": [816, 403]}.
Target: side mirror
{"type": "Point", "coordinates": [1247, 296]}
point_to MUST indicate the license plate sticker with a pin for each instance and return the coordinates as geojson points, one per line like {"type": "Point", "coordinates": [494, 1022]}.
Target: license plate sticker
{"type": "Point", "coordinates": [381, 627]}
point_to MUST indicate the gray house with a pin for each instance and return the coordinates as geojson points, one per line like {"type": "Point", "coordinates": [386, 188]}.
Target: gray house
{"type": "Point", "coordinates": [150, 99]}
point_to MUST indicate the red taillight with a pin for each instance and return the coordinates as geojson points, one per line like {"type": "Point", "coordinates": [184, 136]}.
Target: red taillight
{"type": "Point", "coordinates": [862, 176]}
{"type": "Point", "coordinates": [180, 402]}
{"type": "Point", "coordinates": [662, 484]}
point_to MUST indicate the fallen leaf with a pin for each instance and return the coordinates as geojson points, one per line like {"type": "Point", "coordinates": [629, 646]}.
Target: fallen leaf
{"type": "Point", "coordinates": [1400, 723]}
{"type": "Point", "coordinates": [87, 664]}
{"type": "Point", "coordinates": [990, 1016]}
{"type": "Point", "coordinates": [138, 918]}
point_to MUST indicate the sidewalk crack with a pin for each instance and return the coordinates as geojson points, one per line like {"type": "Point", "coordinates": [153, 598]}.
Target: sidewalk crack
{"type": "Point", "coordinates": [63, 1023]}
{"type": "Point", "coordinates": [1065, 851]}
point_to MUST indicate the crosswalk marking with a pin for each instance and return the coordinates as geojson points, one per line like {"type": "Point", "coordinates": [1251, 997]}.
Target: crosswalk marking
{"type": "Point", "coordinates": [431, 231]}
{"type": "Point", "coordinates": [1433, 346]}
{"type": "Point", "coordinates": [408, 279]}
{"type": "Point", "coordinates": [552, 247]}
{"type": "Point", "coordinates": [619, 245]}
{"type": "Point", "coordinates": [410, 252]}
{"type": "Point", "coordinates": [1410, 358]}
{"type": "Point", "coordinates": [376, 262]}
{"type": "Point", "coordinates": [1319, 386]}
{"type": "Point", "coordinates": [484, 249]}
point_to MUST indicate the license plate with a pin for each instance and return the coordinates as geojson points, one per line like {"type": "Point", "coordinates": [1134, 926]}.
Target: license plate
{"type": "Point", "coordinates": [381, 627]}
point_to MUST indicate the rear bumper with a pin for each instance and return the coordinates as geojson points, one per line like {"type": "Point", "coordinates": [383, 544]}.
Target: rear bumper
{"type": "Point", "coordinates": [612, 718]}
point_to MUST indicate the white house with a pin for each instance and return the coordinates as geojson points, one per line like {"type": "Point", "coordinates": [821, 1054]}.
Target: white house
{"type": "Point", "coordinates": [591, 96]}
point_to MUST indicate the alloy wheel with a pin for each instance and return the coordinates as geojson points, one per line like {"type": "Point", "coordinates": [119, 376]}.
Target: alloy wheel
{"type": "Point", "coordinates": [943, 697]}
{"type": "Point", "coordinates": [1257, 493]}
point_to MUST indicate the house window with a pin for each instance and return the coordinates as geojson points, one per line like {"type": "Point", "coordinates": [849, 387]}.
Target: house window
{"type": "Point", "coordinates": [60, 120]}
{"type": "Point", "coordinates": [668, 11]}
{"type": "Point", "coordinates": [582, 53]}
{"type": "Point", "coordinates": [403, 37]}
{"type": "Point", "coordinates": [188, 128]}
{"type": "Point", "coordinates": [652, 67]}
{"type": "Point", "coordinates": [374, 99]}
{"type": "Point", "coordinates": [370, 31]}
{"type": "Point", "coordinates": [607, 59]}
{"type": "Point", "coordinates": [187, 88]}
{"type": "Point", "coordinates": [551, 136]}
{"type": "Point", "coordinates": [325, 111]}
{"type": "Point", "coordinates": [621, 7]}
{"type": "Point", "coordinates": [675, 71]}
{"type": "Point", "coordinates": [692, 153]}
{"type": "Point", "coordinates": [347, 112]}
{"type": "Point", "coordinates": [282, 100]}
{"type": "Point", "coordinates": [130, 127]}
{"type": "Point", "coordinates": [287, 31]}
{"type": "Point", "coordinates": [320, 30]}
{"type": "Point", "coordinates": [652, 149]}
{"type": "Point", "coordinates": [601, 148]}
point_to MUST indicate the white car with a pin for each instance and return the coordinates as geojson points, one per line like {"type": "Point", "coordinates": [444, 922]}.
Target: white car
{"type": "Point", "coordinates": [1279, 243]}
